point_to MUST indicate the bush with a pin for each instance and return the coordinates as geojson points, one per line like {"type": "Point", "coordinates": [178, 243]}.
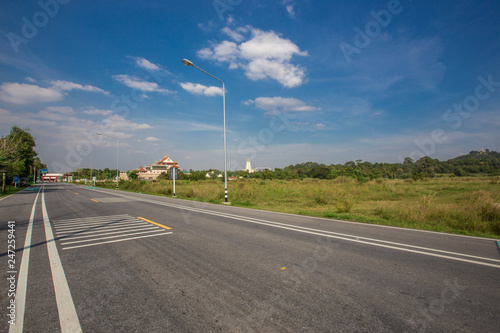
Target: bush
{"type": "Point", "coordinates": [345, 204]}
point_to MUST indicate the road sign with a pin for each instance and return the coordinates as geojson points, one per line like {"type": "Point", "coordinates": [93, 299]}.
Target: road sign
{"type": "Point", "coordinates": [16, 179]}
{"type": "Point", "coordinates": [174, 174]}
{"type": "Point", "coordinates": [45, 170]}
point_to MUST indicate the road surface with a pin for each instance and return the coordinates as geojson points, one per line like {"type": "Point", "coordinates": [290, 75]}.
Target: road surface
{"type": "Point", "coordinates": [97, 260]}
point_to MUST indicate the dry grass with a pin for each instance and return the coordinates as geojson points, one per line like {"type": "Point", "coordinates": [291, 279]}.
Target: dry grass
{"type": "Point", "coordinates": [458, 205]}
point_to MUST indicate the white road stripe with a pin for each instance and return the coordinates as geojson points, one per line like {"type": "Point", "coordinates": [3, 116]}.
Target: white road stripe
{"type": "Point", "coordinates": [91, 220]}
{"type": "Point", "coordinates": [68, 317]}
{"type": "Point", "coordinates": [97, 224]}
{"type": "Point", "coordinates": [102, 231]}
{"type": "Point", "coordinates": [110, 232]}
{"type": "Point", "coordinates": [22, 279]}
{"type": "Point", "coordinates": [93, 217]}
{"type": "Point", "coordinates": [116, 241]}
{"type": "Point", "coordinates": [347, 237]}
{"type": "Point", "coordinates": [109, 237]}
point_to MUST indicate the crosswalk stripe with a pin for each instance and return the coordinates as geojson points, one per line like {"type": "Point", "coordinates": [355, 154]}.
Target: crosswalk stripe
{"type": "Point", "coordinates": [97, 230]}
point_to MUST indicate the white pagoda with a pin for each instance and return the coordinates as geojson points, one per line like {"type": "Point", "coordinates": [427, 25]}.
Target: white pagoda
{"type": "Point", "coordinates": [248, 167]}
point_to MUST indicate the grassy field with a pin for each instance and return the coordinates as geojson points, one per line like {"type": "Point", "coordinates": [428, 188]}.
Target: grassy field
{"type": "Point", "coordinates": [457, 205]}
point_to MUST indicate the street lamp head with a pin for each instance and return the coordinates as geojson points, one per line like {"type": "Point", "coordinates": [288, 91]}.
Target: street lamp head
{"type": "Point", "coordinates": [187, 62]}
{"type": "Point", "coordinates": [99, 133]}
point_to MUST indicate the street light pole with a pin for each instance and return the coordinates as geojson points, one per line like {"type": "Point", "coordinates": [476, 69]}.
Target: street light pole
{"type": "Point", "coordinates": [190, 64]}
{"type": "Point", "coordinates": [117, 156]}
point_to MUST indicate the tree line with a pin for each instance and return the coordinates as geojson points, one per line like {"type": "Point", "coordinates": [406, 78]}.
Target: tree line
{"type": "Point", "coordinates": [17, 154]}
{"type": "Point", "coordinates": [475, 163]}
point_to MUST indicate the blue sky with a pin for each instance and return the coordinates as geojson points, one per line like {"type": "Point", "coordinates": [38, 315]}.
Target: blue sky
{"type": "Point", "coordinates": [324, 81]}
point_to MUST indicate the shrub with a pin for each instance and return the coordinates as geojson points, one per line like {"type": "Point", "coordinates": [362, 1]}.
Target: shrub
{"type": "Point", "coordinates": [345, 204]}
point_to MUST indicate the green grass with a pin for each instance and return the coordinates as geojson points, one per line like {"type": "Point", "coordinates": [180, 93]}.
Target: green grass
{"type": "Point", "coordinates": [454, 205]}
{"type": "Point", "coordinates": [10, 190]}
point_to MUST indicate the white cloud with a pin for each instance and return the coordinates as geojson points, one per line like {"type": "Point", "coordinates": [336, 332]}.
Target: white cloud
{"type": "Point", "coordinates": [99, 112]}
{"type": "Point", "coordinates": [152, 139]}
{"type": "Point", "coordinates": [289, 7]}
{"type": "Point", "coordinates": [144, 63]}
{"type": "Point", "coordinates": [22, 93]}
{"type": "Point", "coordinates": [265, 55]}
{"type": "Point", "coordinates": [269, 45]}
{"type": "Point", "coordinates": [151, 67]}
{"type": "Point", "coordinates": [67, 86]}
{"type": "Point", "coordinates": [236, 35]}
{"type": "Point", "coordinates": [296, 126]}
{"type": "Point", "coordinates": [30, 79]}
{"type": "Point", "coordinates": [121, 123]}
{"type": "Point", "coordinates": [66, 110]}
{"type": "Point", "coordinates": [199, 89]}
{"type": "Point", "coordinates": [136, 83]}
{"type": "Point", "coordinates": [286, 104]}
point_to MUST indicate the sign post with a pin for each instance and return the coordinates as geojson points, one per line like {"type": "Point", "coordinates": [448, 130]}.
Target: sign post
{"type": "Point", "coordinates": [174, 175]}
{"type": "Point", "coordinates": [3, 180]}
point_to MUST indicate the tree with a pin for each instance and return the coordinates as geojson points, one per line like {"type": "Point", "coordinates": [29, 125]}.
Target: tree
{"type": "Point", "coordinates": [133, 175]}
{"type": "Point", "coordinates": [17, 153]}
{"type": "Point", "coordinates": [163, 176]}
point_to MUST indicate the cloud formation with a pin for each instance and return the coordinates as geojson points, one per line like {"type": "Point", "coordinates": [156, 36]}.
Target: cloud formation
{"type": "Point", "coordinates": [281, 103]}
{"type": "Point", "coordinates": [67, 86]}
{"type": "Point", "coordinates": [200, 89]}
{"type": "Point", "coordinates": [22, 93]}
{"type": "Point", "coordinates": [265, 55]}
{"type": "Point", "coordinates": [152, 139]}
{"type": "Point", "coordinates": [136, 83]}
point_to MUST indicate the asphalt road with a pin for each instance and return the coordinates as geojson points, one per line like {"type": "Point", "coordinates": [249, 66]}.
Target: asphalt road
{"type": "Point", "coordinates": [97, 260]}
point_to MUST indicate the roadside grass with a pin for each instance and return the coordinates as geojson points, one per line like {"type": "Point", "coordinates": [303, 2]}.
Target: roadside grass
{"type": "Point", "coordinates": [455, 205]}
{"type": "Point", "coordinates": [10, 190]}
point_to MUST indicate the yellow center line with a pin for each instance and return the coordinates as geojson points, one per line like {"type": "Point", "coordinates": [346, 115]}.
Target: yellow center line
{"type": "Point", "coordinates": [160, 225]}
{"type": "Point", "coordinates": [94, 200]}
{"type": "Point", "coordinates": [77, 193]}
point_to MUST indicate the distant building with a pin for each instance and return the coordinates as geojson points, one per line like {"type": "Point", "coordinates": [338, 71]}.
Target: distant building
{"type": "Point", "coordinates": [248, 167]}
{"type": "Point", "coordinates": [53, 177]}
{"type": "Point", "coordinates": [151, 172]}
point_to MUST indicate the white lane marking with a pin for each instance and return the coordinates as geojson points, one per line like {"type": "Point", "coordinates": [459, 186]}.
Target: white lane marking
{"type": "Point", "coordinates": [356, 239]}
{"type": "Point", "coordinates": [92, 219]}
{"type": "Point", "coordinates": [103, 231]}
{"type": "Point", "coordinates": [68, 317]}
{"type": "Point", "coordinates": [106, 191]}
{"type": "Point", "coordinates": [117, 240]}
{"type": "Point", "coordinates": [109, 237]}
{"type": "Point", "coordinates": [22, 281]}
{"type": "Point", "coordinates": [372, 239]}
{"type": "Point", "coordinates": [58, 225]}
{"type": "Point", "coordinates": [96, 225]}
{"type": "Point", "coordinates": [94, 230]}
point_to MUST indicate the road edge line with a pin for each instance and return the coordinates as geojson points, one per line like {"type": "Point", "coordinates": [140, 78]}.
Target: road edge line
{"type": "Point", "coordinates": [68, 318]}
{"type": "Point", "coordinates": [22, 280]}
